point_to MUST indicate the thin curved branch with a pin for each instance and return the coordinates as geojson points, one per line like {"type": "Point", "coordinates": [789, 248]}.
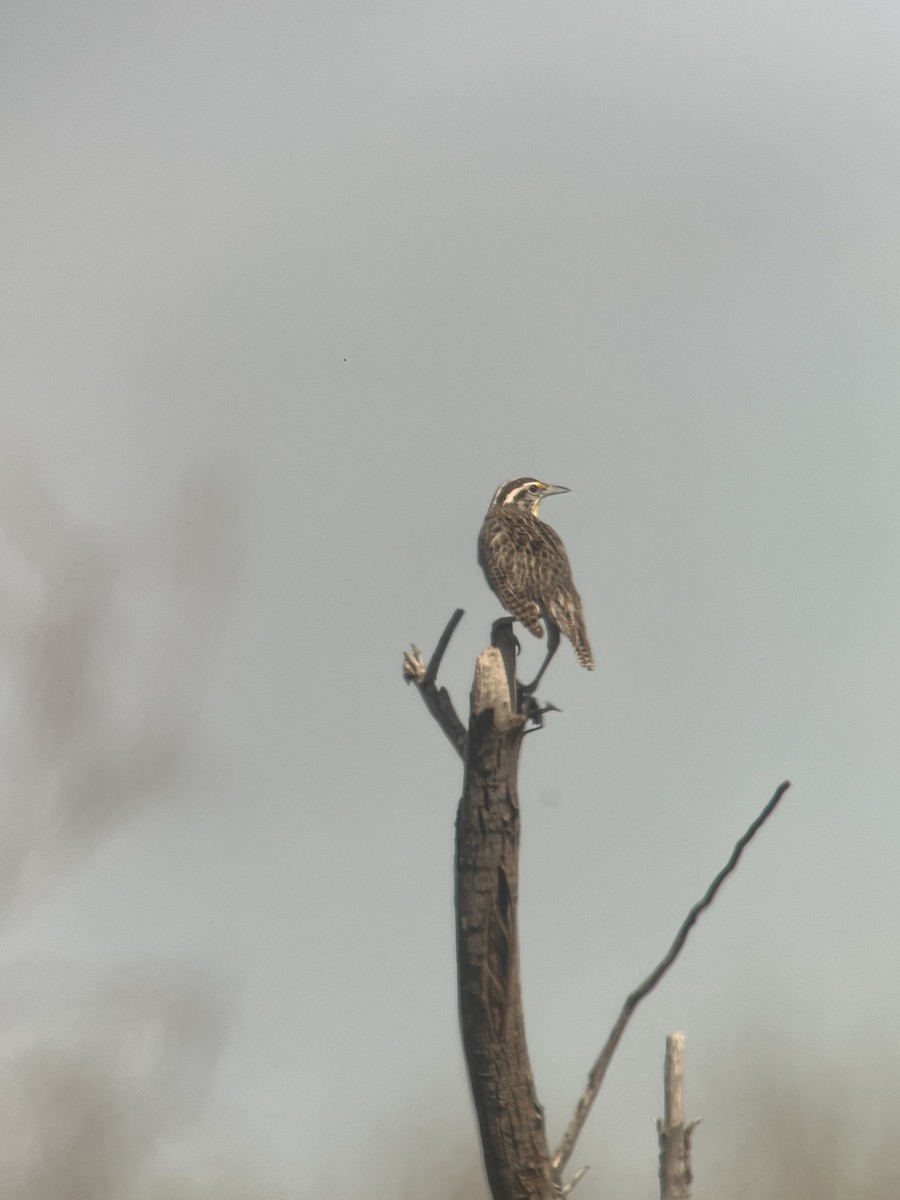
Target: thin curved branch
{"type": "Point", "coordinates": [598, 1071]}
{"type": "Point", "coordinates": [437, 700]}
{"type": "Point", "coordinates": [434, 664]}
{"type": "Point", "coordinates": [565, 1189]}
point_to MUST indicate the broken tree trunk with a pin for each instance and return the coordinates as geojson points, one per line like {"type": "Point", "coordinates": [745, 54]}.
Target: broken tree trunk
{"type": "Point", "coordinates": [675, 1175]}
{"type": "Point", "coordinates": [511, 1122]}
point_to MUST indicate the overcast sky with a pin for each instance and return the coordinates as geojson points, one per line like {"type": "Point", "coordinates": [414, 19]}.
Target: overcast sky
{"type": "Point", "coordinates": [288, 289]}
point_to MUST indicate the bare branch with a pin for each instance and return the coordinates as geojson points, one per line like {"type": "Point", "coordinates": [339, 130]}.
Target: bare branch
{"type": "Point", "coordinates": [437, 700]}
{"type": "Point", "coordinates": [444, 641]}
{"type": "Point", "coordinates": [574, 1181]}
{"type": "Point", "coordinates": [599, 1069]}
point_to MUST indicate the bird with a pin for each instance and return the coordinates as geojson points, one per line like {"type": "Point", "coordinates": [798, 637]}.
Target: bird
{"type": "Point", "coordinates": [527, 568]}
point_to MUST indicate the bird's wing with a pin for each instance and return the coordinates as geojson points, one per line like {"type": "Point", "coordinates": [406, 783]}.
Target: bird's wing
{"type": "Point", "coordinates": [501, 562]}
{"type": "Point", "coordinates": [561, 597]}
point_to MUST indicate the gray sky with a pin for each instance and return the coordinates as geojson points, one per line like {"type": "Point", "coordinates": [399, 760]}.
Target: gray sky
{"type": "Point", "coordinates": [288, 290]}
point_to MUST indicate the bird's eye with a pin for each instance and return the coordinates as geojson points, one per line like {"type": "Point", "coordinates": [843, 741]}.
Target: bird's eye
{"type": "Point", "coordinates": [533, 488]}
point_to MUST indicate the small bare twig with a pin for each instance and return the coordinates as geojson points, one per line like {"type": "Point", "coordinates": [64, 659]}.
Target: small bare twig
{"type": "Point", "coordinates": [574, 1181]}
{"type": "Point", "coordinates": [437, 700]}
{"type": "Point", "coordinates": [443, 642]}
{"type": "Point", "coordinates": [599, 1069]}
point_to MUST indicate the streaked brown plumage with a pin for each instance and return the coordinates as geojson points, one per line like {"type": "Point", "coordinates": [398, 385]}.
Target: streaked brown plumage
{"type": "Point", "coordinates": [528, 569]}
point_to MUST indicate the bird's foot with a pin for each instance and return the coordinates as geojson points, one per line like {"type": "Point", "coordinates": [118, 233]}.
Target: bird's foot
{"type": "Point", "coordinates": [530, 708]}
{"type": "Point", "coordinates": [534, 712]}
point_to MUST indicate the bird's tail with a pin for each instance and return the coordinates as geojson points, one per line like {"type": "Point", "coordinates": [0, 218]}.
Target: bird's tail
{"type": "Point", "coordinates": [582, 647]}
{"type": "Point", "coordinates": [569, 617]}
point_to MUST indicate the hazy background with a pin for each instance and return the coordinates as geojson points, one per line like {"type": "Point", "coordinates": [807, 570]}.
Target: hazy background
{"type": "Point", "coordinates": [288, 289]}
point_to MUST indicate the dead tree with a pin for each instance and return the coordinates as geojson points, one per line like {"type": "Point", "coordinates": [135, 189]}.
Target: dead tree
{"type": "Point", "coordinates": [510, 1119]}
{"type": "Point", "coordinates": [675, 1174]}
{"type": "Point", "coordinates": [517, 1159]}
{"type": "Point", "coordinates": [511, 1122]}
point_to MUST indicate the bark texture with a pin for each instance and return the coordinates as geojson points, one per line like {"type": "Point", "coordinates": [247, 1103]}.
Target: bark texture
{"type": "Point", "coordinates": [511, 1122]}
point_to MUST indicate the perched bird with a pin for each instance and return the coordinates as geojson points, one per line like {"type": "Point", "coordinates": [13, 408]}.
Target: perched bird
{"type": "Point", "coordinates": [528, 569]}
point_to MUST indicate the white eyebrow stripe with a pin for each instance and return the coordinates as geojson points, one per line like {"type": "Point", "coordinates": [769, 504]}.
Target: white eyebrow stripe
{"type": "Point", "coordinates": [516, 491]}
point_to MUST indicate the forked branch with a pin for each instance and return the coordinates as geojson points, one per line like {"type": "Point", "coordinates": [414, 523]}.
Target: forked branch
{"type": "Point", "coordinates": [437, 699]}
{"type": "Point", "coordinates": [598, 1071]}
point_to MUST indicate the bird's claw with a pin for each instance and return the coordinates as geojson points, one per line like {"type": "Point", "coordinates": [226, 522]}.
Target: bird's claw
{"type": "Point", "coordinates": [532, 710]}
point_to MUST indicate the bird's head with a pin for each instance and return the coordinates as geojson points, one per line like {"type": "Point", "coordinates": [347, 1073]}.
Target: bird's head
{"type": "Point", "coordinates": [525, 494]}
